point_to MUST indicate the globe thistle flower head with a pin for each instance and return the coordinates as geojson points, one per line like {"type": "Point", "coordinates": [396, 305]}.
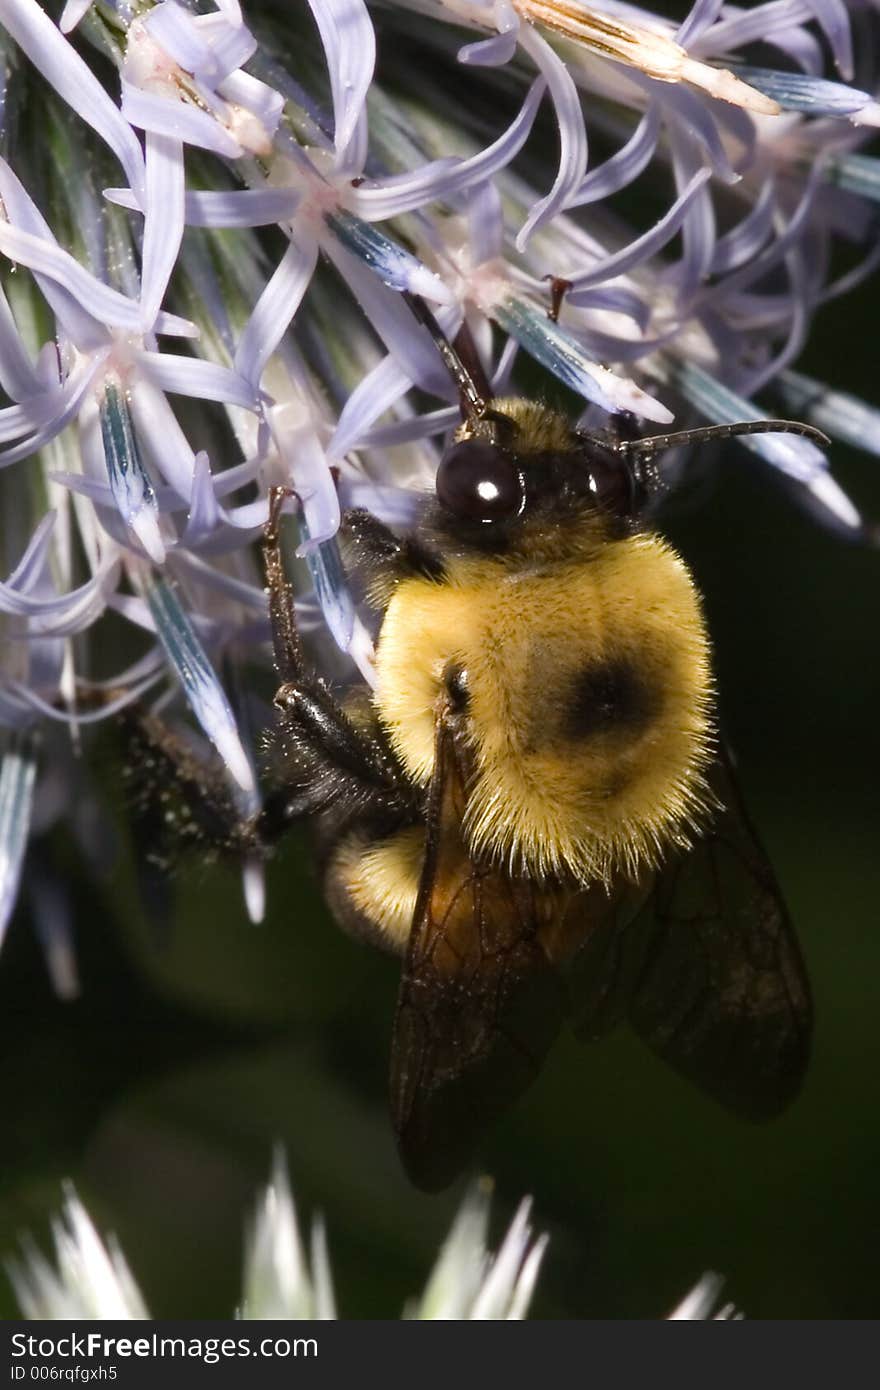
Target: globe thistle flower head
{"type": "Point", "coordinates": [91, 1279]}
{"type": "Point", "coordinates": [200, 298]}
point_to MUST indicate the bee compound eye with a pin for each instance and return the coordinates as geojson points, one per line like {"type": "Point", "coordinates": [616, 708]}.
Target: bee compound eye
{"type": "Point", "coordinates": [611, 483]}
{"type": "Point", "coordinates": [477, 481]}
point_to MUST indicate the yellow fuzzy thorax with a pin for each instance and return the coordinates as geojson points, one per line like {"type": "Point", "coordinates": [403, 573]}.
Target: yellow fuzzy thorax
{"type": "Point", "coordinates": [556, 794]}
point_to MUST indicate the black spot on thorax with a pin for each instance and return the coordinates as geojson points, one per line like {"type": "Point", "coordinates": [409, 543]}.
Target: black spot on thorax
{"type": "Point", "coordinates": [611, 697]}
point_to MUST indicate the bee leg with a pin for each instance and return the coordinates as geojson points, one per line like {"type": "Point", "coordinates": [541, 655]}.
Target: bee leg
{"type": "Point", "coordinates": [313, 721]}
{"type": "Point", "coordinates": [282, 613]}
{"type": "Point", "coordinates": [180, 800]}
{"type": "Point", "coordinates": [330, 757]}
{"type": "Point", "coordinates": [374, 550]}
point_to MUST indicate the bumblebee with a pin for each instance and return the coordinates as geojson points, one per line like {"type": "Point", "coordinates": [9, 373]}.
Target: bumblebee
{"type": "Point", "coordinates": [533, 808]}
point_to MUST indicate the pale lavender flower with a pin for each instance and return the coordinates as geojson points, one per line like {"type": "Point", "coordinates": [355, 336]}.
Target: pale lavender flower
{"type": "Point", "coordinates": [208, 255]}
{"type": "Point", "coordinates": [91, 1279]}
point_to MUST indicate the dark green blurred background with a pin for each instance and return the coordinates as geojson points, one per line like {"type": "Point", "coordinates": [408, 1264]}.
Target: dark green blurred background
{"type": "Point", "coordinates": [162, 1090]}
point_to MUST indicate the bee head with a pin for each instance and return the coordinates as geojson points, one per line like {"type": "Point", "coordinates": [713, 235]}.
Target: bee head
{"type": "Point", "coordinates": [514, 460]}
{"type": "Point", "coordinates": [523, 460]}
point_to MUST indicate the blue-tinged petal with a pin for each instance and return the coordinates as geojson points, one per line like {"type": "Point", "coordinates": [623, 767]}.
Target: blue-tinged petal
{"type": "Point", "coordinates": [502, 374]}
{"type": "Point", "coordinates": [802, 298]}
{"type": "Point", "coordinates": [231, 479]}
{"type": "Point", "coordinates": [618, 301]}
{"type": "Point", "coordinates": [63, 615]}
{"type": "Point", "coordinates": [489, 53]}
{"type": "Point", "coordinates": [99, 493]}
{"type": "Point", "coordinates": [698, 223]}
{"type": "Point", "coordinates": [494, 52]}
{"type": "Point", "coordinates": [331, 587]}
{"type": "Point", "coordinates": [743, 242]}
{"type": "Point", "coordinates": [564, 356]}
{"type": "Point", "coordinates": [249, 595]}
{"type": "Point", "coordinates": [623, 348]}
{"type": "Point", "coordinates": [65, 70]}
{"type": "Point", "coordinates": [644, 246]}
{"type": "Point", "coordinates": [199, 681]}
{"type": "Point", "coordinates": [163, 221]}
{"type": "Point", "coordinates": [442, 179]}
{"type": "Point", "coordinates": [857, 173]}
{"type": "Point", "coordinates": [377, 392]}
{"type": "Point", "coordinates": [18, 775]}
{"type": "Point", "coordinates": [416, 427]}
{"type": "Point", "coordinates": [180, 121]}
{"type": "Point", "coordinates": [805, 49]}
{"type": "Point", "coordinates": [838, 413]}
{"type": "Point", "coordinates": [209, 527]}
{"type": "Point", "coordinates": [210, 53]}
{"type": "Point", "coordinates": [205, 512]}
{"type": "Point", "coordinates": [249, 207]}
{"type": "Point", "coordinates": [160, 435]}
{"type": "Point", "coordinates": [397, 268]}
{"type": "Point", "coordinates": [745, 26]}
{"type": "Point", "coordinates": [131, 487]}
{"type": "Point", "coordinates": [406, 340]}
{"type": "Point", "coordinates": [31, 568]}
{"type": "Point", "coordinates": [797, 91]}
{"type": "Point", "coordinates": [32, 414]}
{"type": "Point", "coordinates": [623, 167]}
{"type": "Point", "coordinates": [692, 113]}
{"type": "Point", "coordinates": [193, 376]}
{"type": "Point", "coordinates": [82, 327]}
{"type": "Point", "coordinates": [18, 377]}
{"type": "Point", "coordinates": [832, 18]}
{"type": "Point", "coordinates": [69, 405]}
{"type": "Point", "coordinates": [73, 12]}
{"type": "Point", "coordinates": [104, 304]}
{"type": "Point", "coordinates": [793, 455]}
{"type": "Point", "coordinates": [275, 308]}
{"type": "Point", "coordinates": [572, 132]}
{"type": "Point", "coordinates": [174, 326]}
{"type": "Point", "coordinates": [33, 703]}
{"type": "Point", "coordinates": [777, 249]}
{"type": "Point", "coordinates": [55, 612]}
{"type": "Point", "coordinates": [306, 468]}
{"type": "Point", "coordinates": [701, 16]}
{"type": "Point", "coordinates": [396, 506]}
{"type": "Point", "coordinates": [852, 277]}
{"type": "Point", "coordinates": [350, 48]}
{"type": "Point", "coordinates": [485, 223]}
{"type": "Point", "coordinates": [172, 26]}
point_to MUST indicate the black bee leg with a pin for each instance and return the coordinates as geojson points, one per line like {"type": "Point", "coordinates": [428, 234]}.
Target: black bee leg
{"type": "Point", "coordinates": [329, 757]}
{"type": "Point", "coordinates": [282, 613]}
{"type": "Point", "coordinates": [470, 358]}
{"type": "Point", "coordinates": [314, 722]}
{"type": "Point", "coordinates": [180, 800]}
{"type": "Point", "coordinates": [372, 549]}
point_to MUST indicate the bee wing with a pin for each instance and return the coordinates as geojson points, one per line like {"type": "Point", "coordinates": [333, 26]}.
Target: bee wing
{"type": "Point", "coordinates": [709, 972]}
{"type": "Point", "coordinates": [479, 1002]}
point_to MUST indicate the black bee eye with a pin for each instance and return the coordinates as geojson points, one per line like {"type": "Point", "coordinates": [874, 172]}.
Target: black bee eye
{"type": "Point", "coordinates": [612, 485]}
{"type": "Point", "coordinates": [478, 481]}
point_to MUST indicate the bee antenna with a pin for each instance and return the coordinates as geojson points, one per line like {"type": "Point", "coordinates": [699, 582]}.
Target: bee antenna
{"type": "Point", "coordinates": [474, 403]}
{"type": "Point", "coordinates": [654, 443]}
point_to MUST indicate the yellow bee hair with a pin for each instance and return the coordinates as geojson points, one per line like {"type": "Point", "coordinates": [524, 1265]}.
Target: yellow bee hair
{"type": "Point", "coordinates": [562, 789]}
